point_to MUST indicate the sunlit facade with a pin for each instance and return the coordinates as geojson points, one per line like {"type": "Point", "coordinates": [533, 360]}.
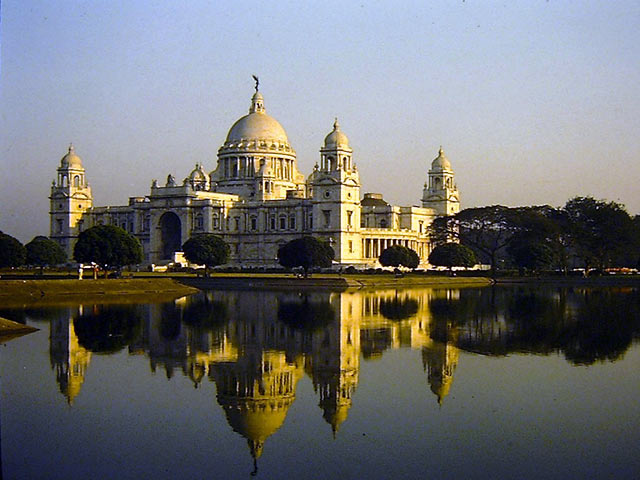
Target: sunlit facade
{"type": "Point", "coordinates": [257, 200]}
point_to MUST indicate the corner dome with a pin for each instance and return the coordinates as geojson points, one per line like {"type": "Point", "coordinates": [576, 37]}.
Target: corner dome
{"type": "Point", "coordinates": [257, 125]}
{"type": "Point", "coordinates": [441, 162]}
{"type": "Point", "coordinates": [336, 138]}
{"type": "Point", "coordinates": [71, 160]}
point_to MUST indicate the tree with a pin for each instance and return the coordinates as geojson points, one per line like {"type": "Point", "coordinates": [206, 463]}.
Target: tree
{"type": "Point", "coordinates": [12, 252]}
{"type": "Point", "coordinates": [306, 252]}
{"type": "Point", "coordinates": [397, 255]}
{"type": "Point", "coordinates": [108, 246]}
{"type": "Point", "coordinates": [206, 249]}
{"type": "Point", "coordinates": [486, 230]}
{"type": "Point", "coordinates": [600, 230]}
{"type": "Point", "coordinates": [452, 255]}
{"type": "Point", "coordinates": [42, 251]}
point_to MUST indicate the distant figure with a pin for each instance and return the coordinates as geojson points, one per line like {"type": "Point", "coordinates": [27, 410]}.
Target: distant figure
{"type": "Point", "coordinates": [95, 272]}
{"type": "Point", "coordinates": [171, 182]}
{"type": "Point", "coordinates": [80, 269]}
{"type": "Point", "coordinates": [257, 82]}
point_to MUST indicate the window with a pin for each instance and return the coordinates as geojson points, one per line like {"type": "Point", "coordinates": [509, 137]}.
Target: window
{"type": "Point", "coordinates": [350, 246]}
{"type": "Point", "coordinates": [236, 223]}
{"type": "Point", "coordinates": [292, 222]}
{"type": "Point", "coordinates": [310, 221]}
{"type": "Point", "coordinates": [80, 226]}
{"type": "Point", "coordinates": [199, 223]}
{"type": "Point", "coordinates": [383, 223]}
{"type": "Point", "coordinates": [420, 226]}
{"type": "Point", "coordinates": [59, 226]}
{"type": "Point", "coordinates": [272, 222]}
{"type": "Point", "coordinates": [283, 223]}
{"type": "Point", "coordinates": [327, 217]}
{"type": "Point", "coordinates": [254, 223]}
{"type": "Point", "coordinates": [327, 194]}
{"type": "Point", "coordinates": [76, 181]}
{"type": "Point", "coordinates": [216, 223]}
{"type": "Point", "coordinates": [349, 214]}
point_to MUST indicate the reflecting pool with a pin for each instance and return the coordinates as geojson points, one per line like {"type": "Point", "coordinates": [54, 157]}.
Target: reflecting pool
{"type": "Point", "coordinates": [505, 382]}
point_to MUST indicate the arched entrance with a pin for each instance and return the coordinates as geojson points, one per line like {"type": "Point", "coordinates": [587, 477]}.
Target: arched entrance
{"type": "Point", "coordinates": [170, 235]}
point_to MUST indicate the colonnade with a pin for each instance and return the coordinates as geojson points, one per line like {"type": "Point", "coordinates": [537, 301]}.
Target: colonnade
{"type": "Point", "coordinates": [373, 247]}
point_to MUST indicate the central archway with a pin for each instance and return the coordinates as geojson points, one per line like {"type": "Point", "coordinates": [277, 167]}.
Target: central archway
{"type": "Point", "coordinates": [170, 235]}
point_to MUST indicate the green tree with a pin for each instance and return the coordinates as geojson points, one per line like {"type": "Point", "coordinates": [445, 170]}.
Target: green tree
{"type": "Point", "coordinates": [306, 252]}
{"type": "Point", "coordinates": [12, 252]}
{"type": "Point", "coordinates": [452, 255]}
{"type": "Point", "coordinates": [108, 246]}
{"type": "Point", "coordinates": [42, 251]}
{"type": "Point", "coordinates": [206, 249]}
{"type": "Point", "coordinates": [397, 255]}
{"type": "Point", "coordinates": [601, 231]}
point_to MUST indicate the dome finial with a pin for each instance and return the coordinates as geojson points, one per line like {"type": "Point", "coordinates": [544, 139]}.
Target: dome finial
{"type": "Point", "coordinates": [441, 151]}
{"type": "Point", "coordinates": [71, 149]}
{"type": "Point", "coordinates": [336, 125]}
{"type": "Point", "coordinates": [257, 82]}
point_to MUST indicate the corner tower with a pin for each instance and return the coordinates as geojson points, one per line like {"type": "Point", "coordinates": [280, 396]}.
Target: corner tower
{"type": "Point", "coordinates": [69, 202]}
{"type": "Point", "coordinates": [335, 191]}
{"type": "Point", "coordinates": [441, 192]}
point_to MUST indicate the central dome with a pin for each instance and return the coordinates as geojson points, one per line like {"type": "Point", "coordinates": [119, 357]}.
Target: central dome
{"type": "Point", "coordinates": [257, 125]}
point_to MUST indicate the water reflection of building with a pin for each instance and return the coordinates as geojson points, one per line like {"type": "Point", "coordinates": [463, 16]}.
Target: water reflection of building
{"type": "Point", "coordinates": [69, 359]}
{"type": "Point", "coordinates": [257, 345]}
{"type": "Point", "coordinates": [334, 362]}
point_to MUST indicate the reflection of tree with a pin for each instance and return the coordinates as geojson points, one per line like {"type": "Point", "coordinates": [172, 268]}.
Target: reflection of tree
{"type": "Point", "coordinates": [206, 314]}
{"type": "Point", "coordinates": [605, 326]}
{"type": "Point", "coordinates": [170, 321]}
{"type": "Point", "coordinates": [398, 308]}
{"type": "Point", "coordinates": [305, 314]}
{"type": "Point", "coordinates": [108, 329]}
{"type": "Point", "coordinates": [588, 326]}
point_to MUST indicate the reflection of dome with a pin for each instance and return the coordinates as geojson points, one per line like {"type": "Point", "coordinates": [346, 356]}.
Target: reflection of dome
{"type": "Point", "coordinates": [256, 420]}
{"type": "Point", "coordinates": [71, 160]}
{"type": "Point", "coordinates": [336, 138]}
{"type": "Point", "coordinates": [257, 125]}
{"type": "Point", "coordinates": [441, 162]}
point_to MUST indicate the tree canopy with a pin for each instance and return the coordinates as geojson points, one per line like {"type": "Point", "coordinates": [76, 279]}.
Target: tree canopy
{"type": "Point", "coordinates": [600, 230]}
{"type": "Point", "coordinates": [306, 252]}
{"type": "Point", "coordinates": [42, 251]}
{"type": "Point", "coordinates": [109, 246]}
{"type": "Point", "coordinates": [206, 249]}
{"type": "Point", "coordinates": [398, 255]}
{"type": "Point", "coordinates": [452, 255]}
{"type": "Point", "coordinates": [12, 252]}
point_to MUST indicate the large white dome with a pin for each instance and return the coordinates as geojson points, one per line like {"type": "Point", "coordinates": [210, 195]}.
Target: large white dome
{"type": "Point", "coordinates": [257, 125]}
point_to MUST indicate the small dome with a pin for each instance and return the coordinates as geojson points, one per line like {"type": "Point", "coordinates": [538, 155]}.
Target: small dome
{"type": "Point", "coordinates": [336, 138]}
{"type": "Point", "coordinates": [198, 173]}
{"type": "Point", "coordinates": [71, 160]}
{"type": "Point", "coordinates": [257, 125]}
{"type": "Point", "coordinates": [441, 162]}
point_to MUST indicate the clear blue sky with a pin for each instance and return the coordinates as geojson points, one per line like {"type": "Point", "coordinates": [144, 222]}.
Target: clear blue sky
{"type": "Point", "coordinates": [533, 101]}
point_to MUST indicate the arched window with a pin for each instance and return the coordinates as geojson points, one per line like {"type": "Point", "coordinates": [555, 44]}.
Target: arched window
{"type": "Point", "coordinates": [76, 181]}
{"type": "Point", "coordinates": [383, 223]}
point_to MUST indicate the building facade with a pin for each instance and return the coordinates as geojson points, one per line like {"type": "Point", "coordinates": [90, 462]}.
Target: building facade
{"type": "Point", "coordinates": [257, 200]}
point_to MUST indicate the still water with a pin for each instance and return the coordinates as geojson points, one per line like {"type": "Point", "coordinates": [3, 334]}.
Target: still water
{"type": "Point", "coordinates": [417, 383]}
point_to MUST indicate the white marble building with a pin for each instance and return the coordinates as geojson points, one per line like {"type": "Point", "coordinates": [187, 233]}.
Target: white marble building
{"type": "Point", "coordinates": [256, 199]}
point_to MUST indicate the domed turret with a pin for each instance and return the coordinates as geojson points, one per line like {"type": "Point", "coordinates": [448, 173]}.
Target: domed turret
{"type": "Point", "coordinates": [441, 162]}
{"type": "Point", "coordinates": [336, 138]}
{"type": "Point", "coordinates": [71, 160]}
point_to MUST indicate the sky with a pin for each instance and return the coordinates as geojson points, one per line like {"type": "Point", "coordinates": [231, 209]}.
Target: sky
{"type": "Point", "coordinates": [534, 102]}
